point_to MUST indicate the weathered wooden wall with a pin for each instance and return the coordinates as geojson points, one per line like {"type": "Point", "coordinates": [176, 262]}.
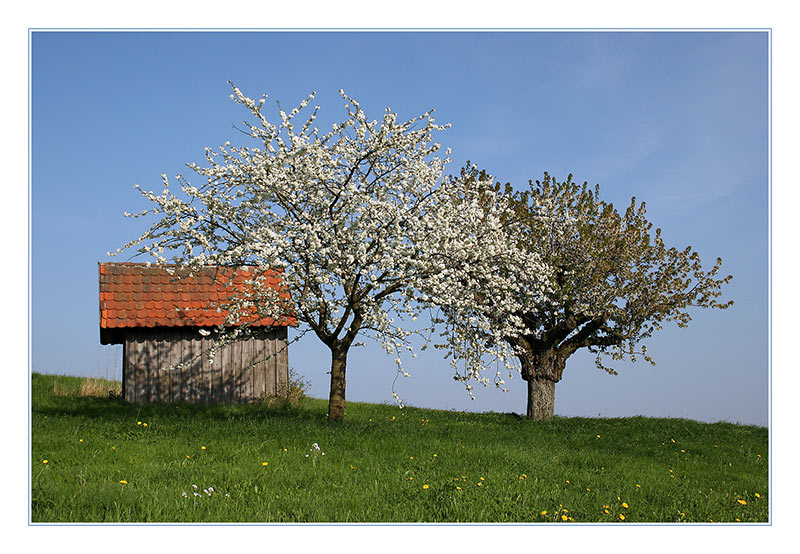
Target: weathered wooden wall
{"type": "Point", "coordinates": [172, 365]}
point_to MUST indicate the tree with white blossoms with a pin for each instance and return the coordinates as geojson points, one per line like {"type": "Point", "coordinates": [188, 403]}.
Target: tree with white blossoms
{"type": "Point", "coordinates": [362, 222]}
{"type": "Point", "coordinates": [613, 283]}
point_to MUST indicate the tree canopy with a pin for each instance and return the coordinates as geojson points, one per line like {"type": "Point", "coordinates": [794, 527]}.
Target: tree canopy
{"type": "Point", "coordinates": [361, 219]}
{"type": "Point", "coordinates": [611, 282]}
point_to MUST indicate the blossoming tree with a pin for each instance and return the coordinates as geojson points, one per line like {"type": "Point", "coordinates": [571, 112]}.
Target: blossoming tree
{"type": "Point", "coordinates": [361, 220]}
{"type": "Point", "coordinates": [613, 283]}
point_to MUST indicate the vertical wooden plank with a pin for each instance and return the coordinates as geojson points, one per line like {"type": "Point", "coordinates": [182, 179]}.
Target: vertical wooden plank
{"type": "Point", "coordinates": [281, 335]}
{"type": "Point", "coordinates": [147, 373]}
{"type": "Point", "coordinates": [198, 380]}
{"type": "Point", "coordinates": [236, 371]}
{"type": "Point", "coordinates": [204, 367]}
{"type": "Point", "coordinates": [228, 373]}
{"type": "Point", "coordinates": [131, 362]}
{"type": "Point", "coordinates": [162, 377]}
{"type": "Point", "coordinates": [173, 359]}
{"type": "Point", "coordinates": [187, 354]}
{"type": "Point", "coordinates": [259, 361]}
{"type": "Point", "coordinates": [186, 365]}
{"type": "Point", "coordinates": [242, 368]}
{"type": "Point", "coordinates": [183, 358]}
{"type": "Point", "coordinates": [164, 373]}
{"type": "Point", "coordinates": [248, 357]}
{"type": "Point", "coordinates": [244, 395]}
{"type": "Point", "coordinates": [141, 373]}
{"type": "Point", "coordinates": [154, 367]}
{"type": "Point", "coordinates": [183, 373]}
{"type": "Point", "coordinates": [216, 377]}
{"type": "Point", "coordinates": [124, 368]}
{"type": "Point", "coordinates": [129, 368]}
{"type": "Point", "coordinates": [269, 362]}
{"type": "Point", "coordinates": [136, 363]}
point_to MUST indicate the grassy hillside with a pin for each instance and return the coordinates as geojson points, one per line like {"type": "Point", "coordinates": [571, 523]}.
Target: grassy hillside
{"type": "Point", "coordinates": [101, 459]}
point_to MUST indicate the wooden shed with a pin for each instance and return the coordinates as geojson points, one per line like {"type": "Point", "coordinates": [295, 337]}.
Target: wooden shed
{"type": "Point", "coordinates": [164, 321]}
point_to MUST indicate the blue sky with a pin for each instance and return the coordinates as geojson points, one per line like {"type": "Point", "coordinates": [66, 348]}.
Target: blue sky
{"type": "Point", "coordinates": [677, 119]}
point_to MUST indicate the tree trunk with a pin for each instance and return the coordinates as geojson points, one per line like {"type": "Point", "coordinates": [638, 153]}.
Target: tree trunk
{"type": "Point", "coordinates": [336, 399]}
{"type": "Point", "coordinates": [541, 398]}
{"type": "Point", "coordinates": [541, 368]}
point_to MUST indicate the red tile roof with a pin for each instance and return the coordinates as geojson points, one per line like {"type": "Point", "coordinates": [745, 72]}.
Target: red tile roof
{"type": "Point", "coordinates": [135, 295]}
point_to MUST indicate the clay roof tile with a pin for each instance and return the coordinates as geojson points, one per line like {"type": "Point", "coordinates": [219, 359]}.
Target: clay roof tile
{"type": "Point", "coordinates": [135, 295]}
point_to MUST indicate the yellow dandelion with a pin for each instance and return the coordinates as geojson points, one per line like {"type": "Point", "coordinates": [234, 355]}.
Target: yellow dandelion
{"type": "Point", "coordinates": [265, 463]}
{"type": "Point", "coordinates": [411, 457]}
{"type": "Point", "coordinates": [758, 495]}
{"type": "Point", "coordinates": [144, 424]}
{"type": "Point", "coordinates": [113, 448]}
{"type": "Point", "coordinates": [622, 517]}
{"type": "Point", "coordinates": [543, 513]}
{"type": "Point", "coordinates": [742, 502]}
{"type": "Point", "coordinates": [483, 479]}
{"type": "Point", "coordinates": [739, 520]}
{"type": "Point", "coordinates": [81, 440]}
{"type": "Point", "coordinates": [435, 455]}
{"type": "Point", "coordinates": [564, 517]}
{"type": "Point", "coordinates": [44, 461]}
{"type": "Point", "coordinates": [598, 436]}
{"type": "Point", "coordinates": [426, 486]}
{"type": "Point", "coordinates": [568, 482]}
{"type": "Point", "coordinates": [124, 482]}
{"type": "Point", "coordinates": [606, 511]}
{"type": "Point", "coordinates": [202, 448]}
{"type": "Point", "coordinates": [352, 466]}
{"type": "Point", "coordinates": [187, 456]}
{"type": "Point", "coordinates": [624, 504]}
{"type": "Point", "coordinates": [138, 423]}
{"type": "Point", "coordinates": [588, 490]}
{"type": "Point", "coordinates": [458, 488]}
{"type": "Point", "coordinates": [410, 478]}
{"type": "Point", "coordinates": [638, 486]}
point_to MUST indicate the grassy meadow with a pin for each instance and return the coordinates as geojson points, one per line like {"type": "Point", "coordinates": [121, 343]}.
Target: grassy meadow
{"type": "Point", "coordinates": [96, 458]}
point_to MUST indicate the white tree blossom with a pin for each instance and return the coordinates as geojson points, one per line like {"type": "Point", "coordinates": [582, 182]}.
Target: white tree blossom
{"type": "Point", "coordinates": [365, 226]}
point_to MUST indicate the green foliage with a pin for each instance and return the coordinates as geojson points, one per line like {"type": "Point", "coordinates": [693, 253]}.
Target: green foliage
{"type": "Point", "coordinates": [614, 280]}
{"type": "Point", "coordinates": [298, 387]}
{"type": "Point", "coordinates": [382, 464]}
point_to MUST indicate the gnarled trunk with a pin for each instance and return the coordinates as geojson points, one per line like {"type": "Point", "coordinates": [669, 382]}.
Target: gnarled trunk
{"type": "Point", "coordinates": [541, 368]}
{"type": "Point", "coordinates": [336, 399]}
